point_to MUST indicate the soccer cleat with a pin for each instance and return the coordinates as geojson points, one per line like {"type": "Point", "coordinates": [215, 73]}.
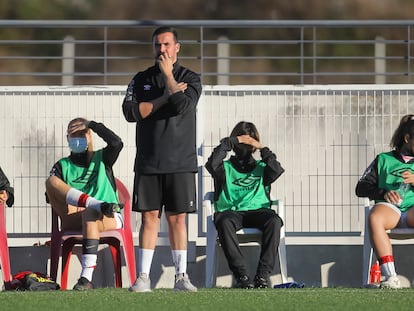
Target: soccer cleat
{"type": "Point", "coordinates": [83, 284]}
{"type": "Point", "coordinates": [243, 282]}
{"type": "Point", "coordinates": [182, 283]}
{"type": "Point", "coordinates": [391, 282]}
{"type": "Point", "coordinates": [142, 284]}
{"type": "Point", "coordinates": [261, 282]}
{"type": "Point", "coordinates": [108, 209]}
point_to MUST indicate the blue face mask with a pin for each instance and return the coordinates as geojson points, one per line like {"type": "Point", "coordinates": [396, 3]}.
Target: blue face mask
{"type": "Point", "coordinates": [78, 144]}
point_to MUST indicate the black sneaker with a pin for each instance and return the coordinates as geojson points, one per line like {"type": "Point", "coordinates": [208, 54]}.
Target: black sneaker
{"type": "Point", "coordinates": [243, 282]}
{"type": "Point", "coordinates": [83, 284]}
{"type": "Point", "coordinates": [108, 209]}
{"type": "Point", "coordinates": [261, 282]}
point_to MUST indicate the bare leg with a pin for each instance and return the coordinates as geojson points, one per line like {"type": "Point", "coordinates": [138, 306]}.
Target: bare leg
{"type": "Point", "coordinates": [149, 229]}
{"type": "Point", "coordinates": [382, 218]}
{"type": "Point", "coordinates": [71, 216]}
{"type": "Point", "coordinates": [177, 231]}
{"type": "Point", "coordinates": [94, 223]}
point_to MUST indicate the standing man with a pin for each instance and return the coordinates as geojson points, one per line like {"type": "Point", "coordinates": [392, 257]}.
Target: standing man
{"type": "Point", "coordinates": [162, 101]}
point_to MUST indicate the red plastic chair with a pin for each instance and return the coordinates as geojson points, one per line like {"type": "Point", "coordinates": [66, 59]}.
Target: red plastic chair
{"type": "Point", "coordinates": [63, 242]}
{"type": "Point", "coordinates": [4, 249]}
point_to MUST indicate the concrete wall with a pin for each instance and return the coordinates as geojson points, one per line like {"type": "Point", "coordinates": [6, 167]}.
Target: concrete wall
{"type": "Point", "coordinates": [315, 265]}
{"type": "Point", "coordinates": [324, 136]}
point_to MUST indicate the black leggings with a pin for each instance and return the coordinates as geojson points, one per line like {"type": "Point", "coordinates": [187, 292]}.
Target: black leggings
{"type": "Point", "coordinates": [229, 222]}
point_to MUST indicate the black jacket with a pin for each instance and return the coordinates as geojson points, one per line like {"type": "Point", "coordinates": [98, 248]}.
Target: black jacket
{"type": "Point", "coordinates": [5, 185]}
{"type": "Point", "coordinates": [166, 139]}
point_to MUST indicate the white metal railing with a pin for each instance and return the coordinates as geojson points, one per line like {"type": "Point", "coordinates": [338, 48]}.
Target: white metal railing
{"type": "Point", "coordinates": [324, 136]}
{"type": "Point", "coordinates": [258, 51]}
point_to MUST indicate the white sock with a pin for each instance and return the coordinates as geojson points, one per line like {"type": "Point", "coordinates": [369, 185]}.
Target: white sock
{"type": "Point", "coordinates": [88, 265]}
{"type": "Point", "coordinates": [145, 260]}
{"type": "Point", "coordinates": [78, 198]}
{"type": "Point", "coordinates": [91, 202]}
{"type": "Point", "coordinates": [388, 269]}
{"type": "Point", "coordinates": [180, 260]}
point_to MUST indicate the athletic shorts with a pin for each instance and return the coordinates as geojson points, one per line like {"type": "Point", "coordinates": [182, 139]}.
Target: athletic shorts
{"type": "Point", "coordinates": [403, 215]}
{"type": "Point", "coordinates": [176, 193]}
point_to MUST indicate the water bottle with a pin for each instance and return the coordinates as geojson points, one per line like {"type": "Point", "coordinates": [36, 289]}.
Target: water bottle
{"type": "Point", "coordinates": [375, 273]}
{"type": "Point", "coordinates": [402, 190]}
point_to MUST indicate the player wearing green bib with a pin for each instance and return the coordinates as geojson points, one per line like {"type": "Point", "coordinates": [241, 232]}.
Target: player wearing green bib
{"type": "Point", "coordinates": [94, 181]}
{"type": "Point", "coordinates": [82, 190]}
{"type": "Point", "coordinates": [242, 199]}
{"type": "Point", "coordinates": [389, 180]}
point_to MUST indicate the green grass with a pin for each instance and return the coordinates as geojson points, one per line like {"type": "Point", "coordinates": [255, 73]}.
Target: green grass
{"type": "Point", "coordinates": [217, 299]}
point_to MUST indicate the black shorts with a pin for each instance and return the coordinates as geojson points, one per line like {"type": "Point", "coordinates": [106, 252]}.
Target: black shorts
{"type": "Point", "coordinates": [176, 193]}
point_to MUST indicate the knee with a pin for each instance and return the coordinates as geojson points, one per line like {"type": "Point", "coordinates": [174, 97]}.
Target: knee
{"type": "Point", "coordinates": [375, 218]}
{"type": "Point", "coordinates": [221, 218]}
{"type": "Point", "coordinates": [54, 184]}
{"type": "Point", "coordinates": [224, 220]}
{"type": "Point", "coordinates": [275, 222]}
{"type": "Point", "coordinates": [177, 220]}
{"type": "Point", "coordinates": [50, 183]}
{"type": "Point", "coordinates": [150, 219]}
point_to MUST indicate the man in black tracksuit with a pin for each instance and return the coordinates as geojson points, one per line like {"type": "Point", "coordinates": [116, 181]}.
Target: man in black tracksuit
{"type": "Point", "coordinates": [162, 101]}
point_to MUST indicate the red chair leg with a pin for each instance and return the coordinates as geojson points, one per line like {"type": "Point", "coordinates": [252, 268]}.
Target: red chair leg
{"type": "Point", "coordinates": [66, 256]}
{"type": "Point", "coordinates": [5, 260]}
{"type": "Point", "coordinates": [114, 246]}
{"type": "Point", "coordinates": [4, 251]}
{"type": "Point", "coordinates": [55, 246]}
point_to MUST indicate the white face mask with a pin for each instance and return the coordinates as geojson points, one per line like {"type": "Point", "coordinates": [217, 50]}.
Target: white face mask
{"type": "Point", "coordinates": [78, 144]}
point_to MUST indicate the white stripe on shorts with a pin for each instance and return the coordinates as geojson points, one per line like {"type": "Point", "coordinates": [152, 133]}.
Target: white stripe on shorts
{"type": "Point", "coordinates": [119, 220]}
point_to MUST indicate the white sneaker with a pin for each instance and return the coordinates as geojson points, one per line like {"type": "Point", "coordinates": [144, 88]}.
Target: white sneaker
{"type": "Point", "coordinates": [142, 284]}
{"type": "Point", "coordinates": [390, 282]}
{"type": "Point", "coordinates": [182, 283]}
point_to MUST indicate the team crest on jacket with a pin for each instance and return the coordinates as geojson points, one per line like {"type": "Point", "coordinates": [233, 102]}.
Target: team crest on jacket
{"type": "Point", "coordinates": [147, 87]}
{"type": "Point", "coordinates": [247, 181]}
{"type": "Point", "coordinates": [398, 172]}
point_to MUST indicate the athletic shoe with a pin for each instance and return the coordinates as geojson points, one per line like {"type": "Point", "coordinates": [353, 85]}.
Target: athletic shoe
{"type": "Point", "coordinates": [142, 284]}
{"type": "Point", "coordinates": [183, 283]}
{"type": "Point", "coordinates": [108, 209]}
{"type": "Point", "coordinates": [261, 282]}
{"type": "Point", "coordinates": [243, 282]}
{"type": "Point", "coordinates": [83, 284]}
{"type": "Point", "coordinates": [391, 282]}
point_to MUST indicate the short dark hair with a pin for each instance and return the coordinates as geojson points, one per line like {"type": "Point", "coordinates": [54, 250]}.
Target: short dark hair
{"type": "Point", "coordinates": [164, 29]}
{"type": "Point", "coordinates": [245, 128]}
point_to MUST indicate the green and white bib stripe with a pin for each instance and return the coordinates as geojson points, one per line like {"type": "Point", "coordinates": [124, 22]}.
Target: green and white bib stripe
{"type": "Point", "coordinates": [243, 191]}
{"type": "Point", "coordinates": [91, 180]}
{"type": "Point", "coordinates": [389, 177]}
